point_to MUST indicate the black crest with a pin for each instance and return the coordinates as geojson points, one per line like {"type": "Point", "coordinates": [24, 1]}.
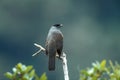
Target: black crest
{"type": "Point", "coordinates": [58, 25]}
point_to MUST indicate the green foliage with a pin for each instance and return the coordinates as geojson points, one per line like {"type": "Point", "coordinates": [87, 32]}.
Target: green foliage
{"type": "Point", "coordinates": [100, 71]}
{"type": "Point", "coordinates": [23, 72]}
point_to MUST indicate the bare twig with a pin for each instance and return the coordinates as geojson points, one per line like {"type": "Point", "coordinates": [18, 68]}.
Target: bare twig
{"type": "Point", "coordinates": [62, 57]}
{"type": "Point", "coordinates": [41, 49]}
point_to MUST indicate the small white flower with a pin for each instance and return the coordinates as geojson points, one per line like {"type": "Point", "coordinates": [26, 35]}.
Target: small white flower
{"type": "Point", "coordinates": [24, 67]}
{"type": "Point", "coordinates": [14, 70]}
{"type": "Point", "coordinates": [90, 71]}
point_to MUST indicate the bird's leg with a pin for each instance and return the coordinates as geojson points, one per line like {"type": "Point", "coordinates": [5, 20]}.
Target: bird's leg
{"type": "Point", "coordinates": [58, 56]}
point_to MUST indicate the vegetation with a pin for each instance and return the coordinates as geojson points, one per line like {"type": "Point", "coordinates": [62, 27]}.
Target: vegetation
{"type": "Point", "coordinates": [23, 72]}
{"type": "Point", "coordinates": [98, 71]}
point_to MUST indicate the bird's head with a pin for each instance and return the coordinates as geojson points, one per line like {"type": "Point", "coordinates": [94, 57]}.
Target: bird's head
{"type": "Point", "coordinates": [58, 25]}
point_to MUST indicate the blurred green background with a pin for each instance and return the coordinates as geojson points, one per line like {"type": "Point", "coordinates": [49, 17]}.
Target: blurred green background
{"type": "Point", "coordinates": [91, 32]}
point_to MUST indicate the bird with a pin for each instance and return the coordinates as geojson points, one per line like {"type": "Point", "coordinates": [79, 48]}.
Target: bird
{"type": "Point", "coordinates": [54, 44]}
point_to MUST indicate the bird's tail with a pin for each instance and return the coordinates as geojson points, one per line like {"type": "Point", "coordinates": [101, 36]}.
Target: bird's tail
{"type": "Point", "coordinates": [51, 63]}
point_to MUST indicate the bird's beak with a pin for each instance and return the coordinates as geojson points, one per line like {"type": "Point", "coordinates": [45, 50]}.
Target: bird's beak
{"type": "Point", "coordinates": [61, 25]}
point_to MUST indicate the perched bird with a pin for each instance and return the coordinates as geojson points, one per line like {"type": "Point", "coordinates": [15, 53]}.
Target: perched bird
{"type": "Point", "coordinates": [54, 44]}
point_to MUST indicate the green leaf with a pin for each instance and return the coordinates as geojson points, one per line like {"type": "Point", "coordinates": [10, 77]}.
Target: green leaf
{"type": "Point", "coordinates": [36, 77]}
{"type": "Point", "coordinates": [32, 73]}
{"type": "Point", "coordinates": [29, 68]}
{"type": "Point", "coordinates": [112, 66]}
{"type": "Point", "coordinates": [9, 75]}
{"type": "Point", "coordinates": [43, 77]}
{"type": "Point", "coordinates": [103, 64]}
{"type": "Point", "coordinates": [19, 65]}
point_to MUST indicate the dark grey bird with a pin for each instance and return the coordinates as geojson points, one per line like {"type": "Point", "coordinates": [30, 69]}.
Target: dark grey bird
{"type": "Point", "coordinates": [54, 44]}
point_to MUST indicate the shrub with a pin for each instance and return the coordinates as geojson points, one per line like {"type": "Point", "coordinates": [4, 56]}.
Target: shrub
{"type": "Point", "coordinates": [23, 72]}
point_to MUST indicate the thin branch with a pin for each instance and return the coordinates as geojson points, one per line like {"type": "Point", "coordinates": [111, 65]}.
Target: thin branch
{"type": "Point", "coordinates": [41, 49]}
{"type": "Point", "coordinates": [65, 67]}
{"type": "Point", "coordinates": [62, 57]}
